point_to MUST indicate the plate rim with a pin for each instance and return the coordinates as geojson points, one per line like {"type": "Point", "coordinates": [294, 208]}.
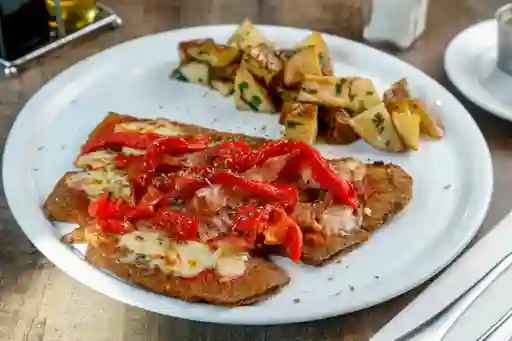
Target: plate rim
{"type": "Point", "coordinates": [477, 216]}
{"type": "Point", "coordinates": [493, 107]}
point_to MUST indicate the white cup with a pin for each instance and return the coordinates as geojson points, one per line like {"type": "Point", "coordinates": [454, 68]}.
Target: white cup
{"type": "Point", "coordinates": [504, 18]}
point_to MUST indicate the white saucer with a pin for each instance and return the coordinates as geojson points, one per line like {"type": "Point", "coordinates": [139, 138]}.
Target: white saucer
{"type": "Point", "coordinates": [470, 63]}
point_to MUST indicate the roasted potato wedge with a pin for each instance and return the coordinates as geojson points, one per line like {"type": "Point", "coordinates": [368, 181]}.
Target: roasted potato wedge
{"type": "Point", "coordinates": [335, 126]}
{"type": "Point", "coordinates": [184, 46]}
{"type": "Point", "coordinates": [193, 72]}
{"type": "Point", "coordinates": [304, 62]}
{"type": "Point", "coordinates": [428, 124]}
{"type": "Point", "coordinates": [408, 128]}
{"type": "Point", "coordinates": [246, 35]}
{"type": "Point", "coordinates": [301, 122]}
{"type": "Point", "coordinates": [262, 62]}
{"type": "Point", "coordinates": [249, 95]}
{"type": "Point", "coordinates": [205, 50]}
{"type": "Point", "coordinates": [226, 88]}
{"type": "Point", "coordinates": [375, 127]}
{"type": "Point", "coordinates": [354, 93]}
{"type": "Point", "coordinates": [224, 73]}
{"type": "Point", "coordinates": [315, 39]}
{"type": "Point", "coordinates": [287, 98]}
{"type": "Point", "coordinates": [289, 95]}
{"type": "Point", "coordinates": [323, 90]}
{"type": "Point", "coordinates": [286, 54]}
{"type": "Point", "coordinates": [361, 93]}
{"type": "Point", "coordinates": [398, 91]}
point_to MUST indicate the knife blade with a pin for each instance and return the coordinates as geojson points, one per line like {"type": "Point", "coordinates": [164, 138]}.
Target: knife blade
{"type": "Point", "coordinates": [456, 281]}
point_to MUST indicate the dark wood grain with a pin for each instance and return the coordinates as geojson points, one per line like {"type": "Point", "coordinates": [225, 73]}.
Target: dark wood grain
{"type": "Point", "coordinates": [39, 302]}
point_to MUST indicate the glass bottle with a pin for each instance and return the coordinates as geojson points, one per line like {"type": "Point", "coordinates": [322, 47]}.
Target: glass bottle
{"type": "Point", "coordinates": [23, 27]}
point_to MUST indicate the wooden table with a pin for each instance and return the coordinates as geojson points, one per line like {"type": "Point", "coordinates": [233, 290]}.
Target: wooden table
{"type": "Point", "coordinates": [39, 302]}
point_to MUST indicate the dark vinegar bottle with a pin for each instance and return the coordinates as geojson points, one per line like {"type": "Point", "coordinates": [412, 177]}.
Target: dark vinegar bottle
{"type": "Point", "coordinates": [23, 27]}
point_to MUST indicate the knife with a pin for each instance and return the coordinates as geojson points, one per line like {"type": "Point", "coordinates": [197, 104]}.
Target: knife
{"type": "Point", "coordinates": [454, 283]}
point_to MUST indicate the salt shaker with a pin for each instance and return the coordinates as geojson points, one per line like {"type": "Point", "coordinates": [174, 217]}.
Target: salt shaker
{"type": "Point", "coordinates": [398, 22]}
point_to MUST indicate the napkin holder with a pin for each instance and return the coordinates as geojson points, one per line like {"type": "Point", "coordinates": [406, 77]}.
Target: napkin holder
{"type": "Point", "coordinates": [106, 17]}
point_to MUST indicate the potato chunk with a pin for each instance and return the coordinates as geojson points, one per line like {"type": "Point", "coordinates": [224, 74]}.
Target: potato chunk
{"type": "Point", "coordinates": [375, 127]}
{"type": "Point", "coordinates": [246, 35]}
{"type": "Point", "coordinates": [301, 122]}
{"type": "Point", "coordinates": [315, 39]}
{"type": "Point", "coordinates": [193, 72]}
{"type": "Point", "coordinates": [303, 62]}
{"type": "Point", "coordinates": [249, 95]}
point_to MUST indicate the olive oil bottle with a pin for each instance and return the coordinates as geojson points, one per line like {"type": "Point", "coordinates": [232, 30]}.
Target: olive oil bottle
{"type": "Point", "coordinates": [23, 27]}
{"type": "Point", "coordinates": [76, 14]}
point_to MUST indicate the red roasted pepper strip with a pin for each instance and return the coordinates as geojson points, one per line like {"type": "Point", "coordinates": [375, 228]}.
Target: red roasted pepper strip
{"type": "Point", "coordinates": [148, 203]}
{"type": "Point", "coordinates": [124, 161]}
{"type": "Point", "coordinates": [120, 139]}
{"type": "Point", "coordinates": [252, 219]}
{"type": "Point", "coordinates": [273, 149]}
{"type": "Point", "coordinates": [273, 222]}
{"type": "Point", "coordinates": [323, 173]}
{"type": "Point", "coordinates": [102, 208]}
{"type": "Point", "coordinates": [171, 146]}
{"type": "Point", "coordinates": [285, 195]}
{"type": "Point", "coordinates": [233, 155]}
{"type": "Point", "coordinates": [115, 226]}
{"type": "Point", "coordinates": [293, 242]}
{"type": "Point", "coordinates": [176, 224]}
{"type": "Point", "coordinates": [110, 216]}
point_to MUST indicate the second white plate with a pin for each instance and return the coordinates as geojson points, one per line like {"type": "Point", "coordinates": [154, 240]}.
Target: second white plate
{"type": "Point", "coordinates": [452, 183]}
{"type": "Point", "coordinates": [470, 63]}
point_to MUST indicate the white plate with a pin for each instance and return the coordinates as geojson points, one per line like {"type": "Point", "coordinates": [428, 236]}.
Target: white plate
{"type": "Point", "coordinates": [470, 63]}
{"type": "Point", "coordinates": [452, 183]}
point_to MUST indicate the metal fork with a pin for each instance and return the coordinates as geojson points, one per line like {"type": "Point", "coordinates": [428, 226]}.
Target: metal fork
{"type": "Point", "coordinates": [496, 326]}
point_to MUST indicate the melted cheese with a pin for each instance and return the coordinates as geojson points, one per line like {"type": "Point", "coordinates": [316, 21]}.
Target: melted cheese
{"type": "Point", "coordinates": [159, 127]}
{"type": "Point", "coordinates": [339, 220]}
{"type": "Point", "coordinates": [188, 259]}
{"type": "Point", "coordinates": [131, 151]}
{"type": "Point", "coordinates": [350, 169]}
{"type": "Point", "coordinates": [233, 266]}
{"type": "Point", "coordinates": [146, 243]}
{"type": "Point", "coordinates": [96, 182]}
{"type": "Point", "coordinates": [97, 159]}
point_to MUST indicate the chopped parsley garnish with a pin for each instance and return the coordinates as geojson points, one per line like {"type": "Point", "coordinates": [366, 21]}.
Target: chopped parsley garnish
{"type": "Point", "coordinates": [378, 122]}
{"type": "Point", "coordinates": [176, 74]}
{"type": "Point", "coordinates": [338, 89]}
{"type": "Point", "coordinates": [292, 124]}
{"type": "Point", "coordinates": [369, 93]}
{"type": "Point", "coordinates": [256, 101]}
{"type": "Point", "coordinates": [242, 86]}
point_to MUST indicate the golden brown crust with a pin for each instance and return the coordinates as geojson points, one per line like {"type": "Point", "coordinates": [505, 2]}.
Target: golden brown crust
{"type": "Point", "coordinates": [67, 204]}
{"type": "Point", "coordinates": [108, 124]}
{"type": "Point", "coordinates": [388, 191]}
{"type": "Point", "coordinates": [319, 249]}
{"type": "Point", "coordinates": [262, 279]}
